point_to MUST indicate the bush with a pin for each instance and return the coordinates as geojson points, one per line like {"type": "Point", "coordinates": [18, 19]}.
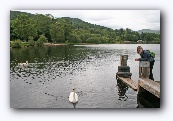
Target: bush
{"type": "Point", "coordinates": [25, 44]}
{"type": "Point", "coordinates": [117, 42]}
{"type": "Point", "coordinates": [41, 40]}
{"type": "Point", "coordinates": [31, 41]}
{"type": "Point", "coordinates": [16, 44]}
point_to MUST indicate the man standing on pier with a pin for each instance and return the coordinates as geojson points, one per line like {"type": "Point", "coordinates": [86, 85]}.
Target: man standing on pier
{"type": "Point", "coordinates": [146, 56]}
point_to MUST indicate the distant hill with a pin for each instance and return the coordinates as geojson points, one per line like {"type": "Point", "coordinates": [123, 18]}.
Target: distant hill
{"type": "Point", "coordinates": [14, 14]}
{"type": "Point", "coordinates": [148, 31]}
{"type": "Point", "coordinates": [77, 23]}
{"type": "Point", "coordinates": [80, 24]}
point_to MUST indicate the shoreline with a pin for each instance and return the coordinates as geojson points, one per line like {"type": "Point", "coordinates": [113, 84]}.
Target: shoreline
{"type": "Point", "coordinates": [52, 44]}
{"type": "Point", "coordinates": [63, 44]}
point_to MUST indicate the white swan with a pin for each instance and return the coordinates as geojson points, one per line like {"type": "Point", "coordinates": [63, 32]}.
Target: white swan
{"type": "Point", "coordinates": [23, 64]}
{"type": "Point", "coordinates": [73, 97]}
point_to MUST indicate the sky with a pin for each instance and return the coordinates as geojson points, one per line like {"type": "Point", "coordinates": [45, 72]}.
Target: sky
{"type": "Point", "coordinates": [115, 19]}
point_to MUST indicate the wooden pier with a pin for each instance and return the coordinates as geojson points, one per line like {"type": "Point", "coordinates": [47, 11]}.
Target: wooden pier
{"type": "Point", "coordinates": [149, 85]}
{"type": "Point", "coordinates": [129, 82]}
{"type": "Point", "coordinates": [144, 83]}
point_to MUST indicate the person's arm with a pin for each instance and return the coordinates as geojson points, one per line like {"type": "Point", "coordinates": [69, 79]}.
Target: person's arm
{"type": "Point", "coordinates": [146, 56]}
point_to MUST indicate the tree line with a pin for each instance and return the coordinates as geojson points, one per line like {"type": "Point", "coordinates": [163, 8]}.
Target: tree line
{"type": "Point", "coordinates": [39, 28]}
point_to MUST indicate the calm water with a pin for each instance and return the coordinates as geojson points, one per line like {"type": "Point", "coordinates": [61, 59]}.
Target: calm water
{"type": "Point", "coordinates": [53, 72]}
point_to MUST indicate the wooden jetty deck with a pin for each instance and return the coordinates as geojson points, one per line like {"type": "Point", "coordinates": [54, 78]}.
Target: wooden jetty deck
{"type": "Point", "coordinates": [129, 82]}
{"type": "Point", "coordinates": [150, 86]}
{"type": "Point", "coordinates": [144, 83]}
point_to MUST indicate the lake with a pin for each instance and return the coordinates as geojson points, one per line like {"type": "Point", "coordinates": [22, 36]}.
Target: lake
{"type": "Point", "coordinates": [53, 71]}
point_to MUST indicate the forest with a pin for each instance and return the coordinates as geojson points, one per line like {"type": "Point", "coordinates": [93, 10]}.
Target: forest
{"type": "Point", "coordinates": [28, 29]}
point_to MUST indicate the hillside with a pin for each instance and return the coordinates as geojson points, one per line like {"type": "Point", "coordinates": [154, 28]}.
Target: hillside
{"type": "Point", "coordinates": [72, 30]}
{"type": "Point", "coordinates": [149, 31]}
{"type": "Point", "coordinates": [14, 14]}
{"type": "Point", "coordinates": [77, 23]}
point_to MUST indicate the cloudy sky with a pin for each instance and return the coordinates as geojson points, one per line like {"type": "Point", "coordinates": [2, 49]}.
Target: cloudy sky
{"type": "Point", "coordinates": [115, 19]}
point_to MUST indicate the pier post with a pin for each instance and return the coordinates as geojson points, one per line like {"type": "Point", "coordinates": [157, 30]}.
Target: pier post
{"type": "Point", "coordinates": [124, 74]}
{"type": "Point", "coordinates": [123, 69]}
{"type": "Point", "coordinates": [144, 69]}
{"type": "Point", "coordinates": [144, 83]}
{"type": "Point", "coordinates": [123, 60]}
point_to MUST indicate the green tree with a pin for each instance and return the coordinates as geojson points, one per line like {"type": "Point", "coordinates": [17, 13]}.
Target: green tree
{"type": "Point", "coordinates": [74, 38]}
{"type": "Point", "coordinates": [23, 27]}
{"type": "Point", "coordinates": [149, 37]}
{"type": "Point", "coordinates": [17, 44]}
{"type": "Point", "coordinates": [118, 38]}
{"type": "Point", "coordinates": [57, 32]}
{"type": "Point", "coordinates": [128, 37]}
{"type": "Point", "coordinates": [104, 39]}
{"type": "Point", "coordinates": [31, 41]}
{"type": "Point", "coordinates": [41, 40]}
{"type": "Point", "coordinates": [128, 31]}
{"type": "Point", "coordinates": [61, 30]}
{"type": "Point", "coordinates": [135, 38]}
{"type": "Point", "coordinates": [68, 28]}
{"type": "Point", "coordinates": [42, 23]}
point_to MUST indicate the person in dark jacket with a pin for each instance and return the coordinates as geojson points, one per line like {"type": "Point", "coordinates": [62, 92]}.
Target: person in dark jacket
{"type": "Point", "coordinates": [145, 56]}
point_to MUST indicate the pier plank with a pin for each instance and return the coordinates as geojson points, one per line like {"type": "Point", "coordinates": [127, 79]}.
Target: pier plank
{"type": "Point", "coordinates": [150, 85]}
{"type": "Point", "coordinates": [129, 82]}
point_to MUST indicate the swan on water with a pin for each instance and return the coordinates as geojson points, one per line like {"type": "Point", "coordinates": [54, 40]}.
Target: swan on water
{"type": "Point", "coordinates": [23, 64]}
{"type": "Point", "coordinates": [73, 97]}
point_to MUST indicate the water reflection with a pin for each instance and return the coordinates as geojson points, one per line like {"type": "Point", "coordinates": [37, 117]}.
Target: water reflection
{"type": "Point", "coordinates": [74, 105]}
{"type": "Point", "coordinates": [122, 88]}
